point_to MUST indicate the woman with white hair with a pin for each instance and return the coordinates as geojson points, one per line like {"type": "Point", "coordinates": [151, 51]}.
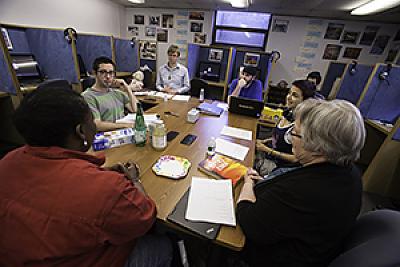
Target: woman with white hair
{"type": "Point", "coordinates": [301, 217]}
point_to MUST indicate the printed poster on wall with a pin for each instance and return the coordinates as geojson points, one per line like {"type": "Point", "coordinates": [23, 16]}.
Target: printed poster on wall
{"type": "Point", "coordinates": [392, 54]}
{"type": "Point", "coordinates": [334, 31]}
{"type": "Point", "coordinates": [167, 21]}
{"type": "Point", "coordinates": [369, 35]}
{"type": "Point", "coordinates": [332, 52]}
{"type": "Point", "coordinates": [199, 38]}
{"type": "Point", "coordinates": [154, 20]}
{"type": "Point", "coordinates": [380, 44]}
{"type": "Point", "coordinates": [196, 15]}
{"type": "Point", "coordinates": [349, 37]}
{"type": "Point", "coordinates": [150, 31]}
{"type": "Point", "coordinates": [138, 19]}
{"type": "Point", "coordinates": [352, 52]}
{"type": "Point", "coordinates": [280, 25]}
{"type": "Point", "coordinates": [182, 24]}
{"type": "Point", "coordinates": [148, 49]}
{"type": "Point", "coordinates": [162, 35]}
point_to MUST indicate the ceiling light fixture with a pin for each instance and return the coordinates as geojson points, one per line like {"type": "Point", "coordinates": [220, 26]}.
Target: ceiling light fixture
{"type": "Point", "coordinates": [240, 3]}
{"type": "Point", "coordinates": [136, 1]}
{"type": "Point", "coordinates": [375, 6]}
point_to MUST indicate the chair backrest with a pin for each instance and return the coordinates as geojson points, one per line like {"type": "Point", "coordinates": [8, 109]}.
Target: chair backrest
{"type": "Point", "coordinates": [196, 85]}
{"type": "Point", "coordinates": [373, 242]}
{"type": "Point", "coordinates": [87, 82]}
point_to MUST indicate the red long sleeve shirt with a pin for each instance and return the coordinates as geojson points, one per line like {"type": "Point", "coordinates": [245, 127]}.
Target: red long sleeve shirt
{"type": "Point", "coordinates": [60, 208]}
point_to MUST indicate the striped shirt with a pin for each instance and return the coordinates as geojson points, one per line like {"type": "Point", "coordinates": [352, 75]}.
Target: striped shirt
{"type": "Point", "coordinates": [177, 78]}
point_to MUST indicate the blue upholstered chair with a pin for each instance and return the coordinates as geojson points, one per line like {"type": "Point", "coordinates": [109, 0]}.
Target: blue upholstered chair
{"type": "Point", "coordinates": [373, 242]}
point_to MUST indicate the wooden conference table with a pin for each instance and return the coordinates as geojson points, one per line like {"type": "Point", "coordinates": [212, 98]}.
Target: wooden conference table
{"type": "Point", "coordinates": [167, 192]}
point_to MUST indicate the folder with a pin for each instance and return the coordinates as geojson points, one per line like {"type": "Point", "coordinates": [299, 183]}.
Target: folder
{"type": "Point", "coordinates": [207, 230]}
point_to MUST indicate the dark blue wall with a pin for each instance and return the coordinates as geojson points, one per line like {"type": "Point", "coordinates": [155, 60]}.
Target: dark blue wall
{"type": "Point", "coordinates": [335, 70]}
{"type": "Point", "coordinates": [91, 46]}
{"type": "Point", "coordinates": [126, 56]}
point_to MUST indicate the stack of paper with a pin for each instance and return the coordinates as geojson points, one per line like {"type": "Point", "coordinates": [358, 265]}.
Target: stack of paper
{"type": "Point", "coordinates": [237, 133]}
{"type": "Point", "coordinates": [181, 98]}
{"type": "Point", "coordinates": [211, 201]}
{"type": "Point", "coordinates": [230, 149]}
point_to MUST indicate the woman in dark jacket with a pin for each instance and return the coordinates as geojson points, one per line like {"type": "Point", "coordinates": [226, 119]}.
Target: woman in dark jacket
{"type": "Point", "coordinates": [301, 217]}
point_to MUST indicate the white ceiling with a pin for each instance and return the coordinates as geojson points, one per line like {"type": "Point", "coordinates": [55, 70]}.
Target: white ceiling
{"type": "Point", "coordinates": [328, 9]}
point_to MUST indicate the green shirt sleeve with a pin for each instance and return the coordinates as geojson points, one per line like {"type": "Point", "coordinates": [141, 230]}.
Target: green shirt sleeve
{"type": "Point", "coordinates": [92, 103]}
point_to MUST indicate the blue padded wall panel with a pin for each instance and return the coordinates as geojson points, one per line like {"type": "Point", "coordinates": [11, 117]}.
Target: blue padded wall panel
{"type": "Point", "coordinates": [396, 135]}
{"type": "Point", "coordinates": [203, 57]}
{"type": "Point", "coordinates": [193, 60]}
{"type": "Point", "coordinates": [382, 100]}
{"type": "Point", "coordinates": [263, 65]}
{"type": "Point", "coordinates": [353, 85]}
{"type": "Point", "coordinates": [19, 41]}
{"type": "Point", "coordinates": [91, 46]}
{"type": "Point", "coordinates": [126, 56]}
{"type": "Point", "coordinates": [335, 70]}
{"type": "Point", "coordinates": [6, 83]}
{"type": "Point", "coordinates": [53, 54]}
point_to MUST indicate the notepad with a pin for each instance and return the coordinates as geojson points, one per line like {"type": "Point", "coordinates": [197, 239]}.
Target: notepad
{"type": "Point", "coordinates": [237, 133]}
{"type": "Point", "coordinates": [181, 97]}
{"type": "Point", "coordinates": [211, 201]}
{"type": "Point", "coordinates": [230, 149]}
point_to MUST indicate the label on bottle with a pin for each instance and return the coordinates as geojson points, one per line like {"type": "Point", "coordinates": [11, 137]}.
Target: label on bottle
{"type": "Point", "coordinates": [140, 137]}
{"type": "Point", "coordinates": [159, 141]}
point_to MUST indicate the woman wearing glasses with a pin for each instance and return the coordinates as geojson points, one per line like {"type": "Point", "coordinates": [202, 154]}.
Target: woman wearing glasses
{"type": "Point", "coordinates": [276, 152]}
{"type": "Point", "coordinates": [109, 97]}
{"type": "Point", "coordinates": [301, 217]}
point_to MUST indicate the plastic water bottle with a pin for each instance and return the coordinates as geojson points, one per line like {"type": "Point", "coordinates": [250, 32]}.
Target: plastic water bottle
{"type": "Point", "coordinates": [201, 97]}
{"type": "Point", "coordinates": [211, 147]}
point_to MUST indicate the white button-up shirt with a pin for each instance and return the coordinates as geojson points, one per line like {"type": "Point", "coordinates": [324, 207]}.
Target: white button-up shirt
{"type": "Point", "coordinates": [177, 78]}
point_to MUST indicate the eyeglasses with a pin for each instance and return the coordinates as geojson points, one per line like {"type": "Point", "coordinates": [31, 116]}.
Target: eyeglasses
{"type": "Point", "coordinates": [104, 72]}
{"type": "Point", "coordinates": [291, 134]}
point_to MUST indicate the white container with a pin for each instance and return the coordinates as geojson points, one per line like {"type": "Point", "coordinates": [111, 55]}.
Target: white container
{"type": "Point", "coordinates": [193, 115]}
{"type": "Point", "coordinates": [211, 147]}
{"type": "Point", "coordinates": [201, 97]}
{"type": "Point", "coordinates": [119, 137]}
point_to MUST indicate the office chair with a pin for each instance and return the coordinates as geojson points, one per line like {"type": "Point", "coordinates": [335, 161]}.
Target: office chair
{"type": "Point", "coordinates": [374, 241]}
{"type": "Point", "coordinates": [195, 86]}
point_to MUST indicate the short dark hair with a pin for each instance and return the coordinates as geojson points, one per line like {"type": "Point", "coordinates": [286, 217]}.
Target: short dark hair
{"type": "Point", "coordinates": [48, 115]}
{"type": "Point", "coordinates": [315, 75]}
{"type": "Point", "coordinates": [173, 49]}
{"type": "Point", "coordinates": [250, 70]}
{"type": "Point", "coordinates": [307, 88]}
{"type": "Point", "coordinates": [101, 60]}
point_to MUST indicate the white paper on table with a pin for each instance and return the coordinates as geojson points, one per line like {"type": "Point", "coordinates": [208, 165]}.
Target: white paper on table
{"type": "Point", "coordinates": [140, 93]}
{"type": "Point", "coordinates": [211, 201]}
{"type": "Point", "coordinates": [224, 106]}
{"type": "Point", "coordinates": [230, 149]}
{"type": "Point", "coordinates": [162, 95]}
{"type": "Point", "coordinates": [237, 132]}
{"type": "Point", "coordinates": [131, 117]}
{"type": "Point", "coordinates": [181, 97]}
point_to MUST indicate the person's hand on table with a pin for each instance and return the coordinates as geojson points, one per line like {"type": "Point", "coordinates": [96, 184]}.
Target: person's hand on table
{"type": "Point", "coordinates": [130, 169]}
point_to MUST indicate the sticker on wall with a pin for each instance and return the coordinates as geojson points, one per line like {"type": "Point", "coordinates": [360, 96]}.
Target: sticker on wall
{"type": "Point", "coordinates": [369, 35]}
{"type": "Point", "coordinates": [195, 15]}
{"type": "Point", "coordinates": [150, 31]}
{"type": "Point", "coordinates": [167, 21]}
{"type": "Point", "coordinates": [251, 59]}
{"type": "Point", "coordinates": [182, 24]}
{"type": "Point", "coordinates": [196, 27]}
{"type": "Point", "coordinates": [181, 33]}
{"type": "Point", "coordinates": [6, 38]}
{"type": "Point", "coordinates": [138, 19]}
{"type": "Point", "coordinates": [280, 25]}
{"type": "Point", "coordinates": [134, 30]}
{"type": "Point", "coordinates": [162, 35]}
{"type": "Point", "coordinates": [154, 20]}
{"type": "Point", "coordinates": [380, 44]}
{"type": "Point", "coordinates": [334, 31]}
{"type": "Point", "coordinates": [182, 14]}
{"type": "Point", "coordinates": [199, 38]}
{"type": "Point", "coordinates": [392, 54]}
{"type": "Point", "coordinates": [215, 55]}
{"type": "Point", "coordinates": [332, 52]}
{"type": "Point", "coordinates": [352, 52]}
{"type": "Point", "coordinates": [349, 37]}
{"type": "Point", "coordinates": [148, 49]}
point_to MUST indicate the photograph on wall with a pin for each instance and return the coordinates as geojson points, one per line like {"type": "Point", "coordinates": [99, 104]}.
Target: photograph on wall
{"type": "Point", "coordinates": [380, 44]}
{"type": "Point", "coordinates": [215, 55]}
{"type": "Point", "coordinates": [397, 37]}
{"type": "Point", "coordinates": [138, 19]}
{"type": "Point", "coordinates": [350, 37]}
{"type": "Point", "coordinates": [199, 38]}
{"type": "Point", "coordinates": [196, 27]}
{"type": "Point", "coordinates": [154, 20]}
{"type": "Point", "coordinates": [251, 59]}
{"type": "Point", "coordinates": [6, 38]}
{"type": "Point", "coordinates": [150, 31]}
{"type": "Point", "coordinates": [167, 21]}
{"type": "Point", "coordinates": [352, 52]}
{"type": "Point", "coordinates": [280, 25]}
{"type": "Point", "coordinates": [392, 54]}
{"type": "Point", "coordinates": [369, 35]}
{"type": "Point", "coordinates": [195, 15]}
{"type": "Point", "coordinates": [162, 35]}
{"type": "Point", "coordinates": [134, 30]}
{"type": "Point", "coordinates": [148, 49]}
{"type": "Point", "coordinates": [334, 31]}
{"type": "Point", "coordinates": [332, 52]}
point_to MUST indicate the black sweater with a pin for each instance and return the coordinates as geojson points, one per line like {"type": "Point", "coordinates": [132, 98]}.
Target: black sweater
{"type": "Point", "coordinates": [301, 217]}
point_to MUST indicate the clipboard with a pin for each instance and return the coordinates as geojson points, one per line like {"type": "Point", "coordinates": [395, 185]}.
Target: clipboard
{"type": "Point", "coordinates": [205, 229]}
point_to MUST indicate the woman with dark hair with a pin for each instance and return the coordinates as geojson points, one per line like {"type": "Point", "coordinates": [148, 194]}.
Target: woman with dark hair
{"type": "Point", "coordinates": [301, 217]}
{"type": "Point", "coordinates": [59, 206]}
{"type": "Point", "coordinates": [276, 152]}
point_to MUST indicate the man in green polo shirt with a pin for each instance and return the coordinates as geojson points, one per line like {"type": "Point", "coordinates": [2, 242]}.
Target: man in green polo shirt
{"type": "Point", "coordinates": [109, 97]}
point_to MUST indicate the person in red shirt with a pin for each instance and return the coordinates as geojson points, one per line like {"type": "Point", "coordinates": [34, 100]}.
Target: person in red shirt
{"type": "Point", "coordinates": [59, 207]}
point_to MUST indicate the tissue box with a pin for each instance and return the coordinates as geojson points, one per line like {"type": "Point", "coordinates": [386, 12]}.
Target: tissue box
{"type": "Point", "coordinates": [271, 115]}
{"type": "Point", "coordinates": [113, 138]}
{"type": "Point", "coordinates": [193, 115]}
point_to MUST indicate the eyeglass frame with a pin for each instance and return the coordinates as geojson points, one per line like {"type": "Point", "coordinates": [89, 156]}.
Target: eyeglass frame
{"type": "Point", "coordinates": [291, 134]}
{"type": "Point", "coordinates": [104, 72]}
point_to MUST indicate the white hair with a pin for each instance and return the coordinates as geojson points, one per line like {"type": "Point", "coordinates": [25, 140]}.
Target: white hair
{"type": "Point", "coordinates": [333, 128]}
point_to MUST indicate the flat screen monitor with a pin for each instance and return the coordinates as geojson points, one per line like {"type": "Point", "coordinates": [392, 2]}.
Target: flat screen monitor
{"type": "Point", "coordinates": [210, 71]}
